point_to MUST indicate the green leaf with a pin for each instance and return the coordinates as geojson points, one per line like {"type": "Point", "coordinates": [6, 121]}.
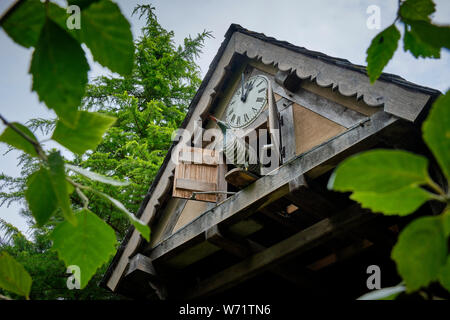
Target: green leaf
{"type": "Point", "coordinates": [87, 133]}
{"type": "Point", "coordinates": [87, 245]}
{"type": "Point", "coordinates": [83, 4]}
{"type": "Point", "coordinates": [107, 34]}
{"type": "Point", "coordinates": [59, 183]}
{"type": "Point", "coordinates": [59, 16]}
{"type": "Point", "coordinates": [138, 224]}
{"type": "Point", "coordinates": [420, 252]}
{"type": "Point", "coordinates": [24, 24]}
{"type": "Point", "coordinates": [381, 50]}
{"type": "Point", "coordinates": [40, 196]}
{"type": "Point", "coordinates": [399, 202]}
{"type": "Point", "coordinates": [417, 9]}
{"type": "Point", "coordinates": [13, 276]}
{"type": "Point", "coordinates": [59, 69]}
{"type": "Point", "coordinates": [446, 221]}
{"type": "Point", "coordinates": [444, 275]}
{"type": "Point", "coordinates": [436, 132]}
{"type": "Point", "coordinates": [15, 140]}
{"type": "Point", "coordinates": [434, 35]}
{"type": "Point", "coordinates": [96, 177]}
{"type": "Point", "coordinates": [384, 294]}
{"type": "Point", "coordinates": [418, 48]}
{"type": "Point", "coordinates": [379, 171]}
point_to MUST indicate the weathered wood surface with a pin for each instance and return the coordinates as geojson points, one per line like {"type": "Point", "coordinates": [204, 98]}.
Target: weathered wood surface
{"type": "Point", "coordinates": [288, 79]}
{"type": "Point", "coordinates": [142, 271]}
{"type": "Point", "coordinates": [281, 252]}
{"type": "Point", "coordinates": [141, 263]}
{"type": "Point", "coordinates": [195, 185]}
{"type": "Point", "coordinates": [397, 101]}
{"type": "Point", "coordinates": [271, 187]}
{"type": "Point", "coordinates": [287, 131]}
{"type": "Point", "coordinates": [197, 170]}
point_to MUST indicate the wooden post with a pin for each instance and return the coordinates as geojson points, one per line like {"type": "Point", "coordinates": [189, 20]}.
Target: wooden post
{"type": "Point", "coordinates": [141, 270]}
{"type": "Point", "coordinates": [287, 130]}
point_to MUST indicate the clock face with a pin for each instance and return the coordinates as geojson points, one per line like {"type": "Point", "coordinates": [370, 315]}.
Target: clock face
{"type": "Point", "coordinates": [246, 105]}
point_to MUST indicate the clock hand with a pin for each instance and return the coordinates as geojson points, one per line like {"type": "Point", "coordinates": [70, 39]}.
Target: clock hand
{"type": "Point", "coordinates": [242, 88]}
{"type": "Point", "coordinates": [249, 88]}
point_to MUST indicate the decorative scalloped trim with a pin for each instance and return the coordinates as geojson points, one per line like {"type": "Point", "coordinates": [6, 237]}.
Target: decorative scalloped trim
{"type": "Point", "coordinates": [347, 82]}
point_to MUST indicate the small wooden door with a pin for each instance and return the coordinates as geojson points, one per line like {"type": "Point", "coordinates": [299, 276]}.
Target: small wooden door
{"type": "Point", "coordinates": [197, 171]}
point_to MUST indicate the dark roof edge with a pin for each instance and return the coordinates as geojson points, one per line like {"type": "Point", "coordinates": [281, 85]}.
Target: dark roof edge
{"type": "Point", "coordinates": [391, 78]}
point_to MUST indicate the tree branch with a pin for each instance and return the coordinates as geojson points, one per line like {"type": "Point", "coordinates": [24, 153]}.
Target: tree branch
{"type": "Point", "coordinates": [35, 144]}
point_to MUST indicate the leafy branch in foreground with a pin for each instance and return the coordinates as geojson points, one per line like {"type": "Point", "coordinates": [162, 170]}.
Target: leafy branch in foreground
{"type": "Point", "coordinates": [395, 182]}
{"type": "Point", "coordinates": [59, 71]}
{"type": "Point", "coordinates": [148, 104]}
{"type": "Point", "coordinates": [421, 37]}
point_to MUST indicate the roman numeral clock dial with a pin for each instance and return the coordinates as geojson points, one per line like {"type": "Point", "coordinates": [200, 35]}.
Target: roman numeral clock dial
{"type": "Point", "coordinates": [247, 102]}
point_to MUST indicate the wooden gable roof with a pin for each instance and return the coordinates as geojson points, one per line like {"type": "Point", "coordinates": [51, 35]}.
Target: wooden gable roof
{"type": "Point", "coordinates": [399, 99]}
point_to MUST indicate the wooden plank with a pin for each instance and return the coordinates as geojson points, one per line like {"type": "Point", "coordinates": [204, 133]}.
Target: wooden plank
{"type": "Point", "coordinates": [199, 156]}
{"type": "Point", "coordinates": [193, 175]}
{"type": "Point", "coordinates": [271, 187]}
{"type": "Point", "coordinates": [196, 185]}
{"type": "Point", "coordinates": [287, 133]}
{"type": "Point", "coordinates": [221, 182]}
{"type": "Point", "coordinates": [240, 178]}
{"type": "Point", "coordinates": [280, 252]}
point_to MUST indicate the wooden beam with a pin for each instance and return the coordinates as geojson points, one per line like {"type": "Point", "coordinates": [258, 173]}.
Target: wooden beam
{"type": "Point", "coordinates": [270, 187]}
{"type": "Point", "coordinates": [311, 202]}
{"type": "Point", "coordinates": [288, 79]}
{"type": "Point", "coordinates": [195, 185]}
{"type": "Point", "coordinates": [287, 132]}
{"type": "Point", "coordinates": [243, 249]}
{"type": "Point", "coordinates": [340, 255]}
{"type": "Point", "coordinates": [280, 252]}
{"type": "Point", "coordinates": [214, 236]}
{"type": "Point", "coordinates": [141, 270]}
{"type": "Point", "coordinates": [326, 108]}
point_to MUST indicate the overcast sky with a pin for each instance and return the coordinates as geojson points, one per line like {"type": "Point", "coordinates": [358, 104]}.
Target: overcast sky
{"type": "Point", "coordinates": [334, 27]}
